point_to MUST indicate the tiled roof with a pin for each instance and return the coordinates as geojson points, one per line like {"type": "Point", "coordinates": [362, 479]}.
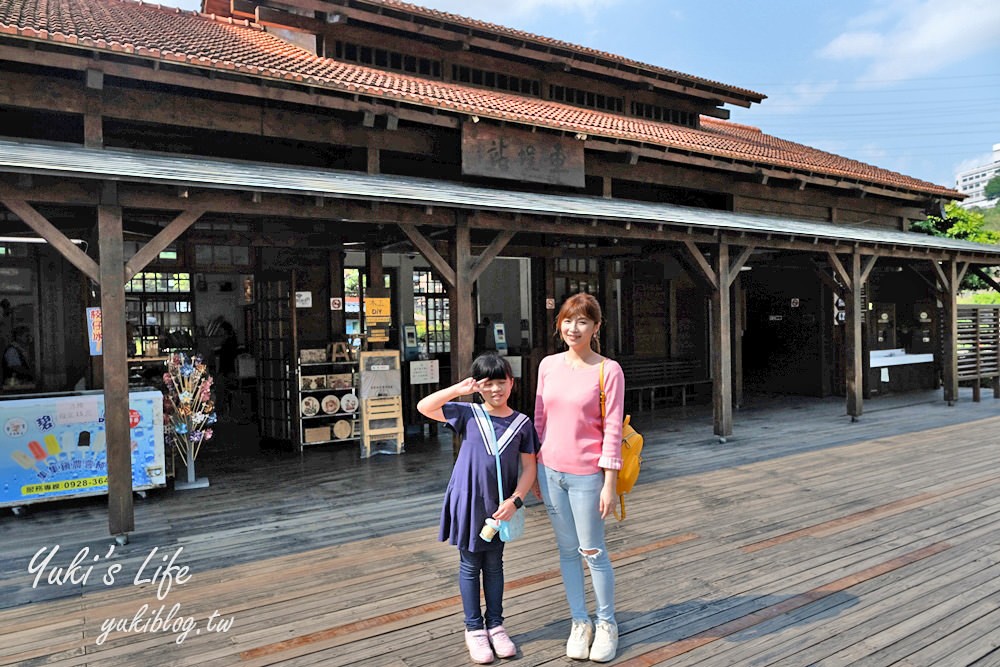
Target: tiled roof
{"type": "Point", "coordinates": [455, 19]}
{"type": "Point", "coordinates": [151, 31]}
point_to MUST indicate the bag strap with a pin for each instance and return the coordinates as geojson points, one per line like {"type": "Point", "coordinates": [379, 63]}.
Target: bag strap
{"type": "Point", "coordinates": [486, 427]}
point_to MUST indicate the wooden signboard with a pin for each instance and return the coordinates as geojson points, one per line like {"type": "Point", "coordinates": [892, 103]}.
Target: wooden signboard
{"type": "Point", "coordinates": [505, 152]}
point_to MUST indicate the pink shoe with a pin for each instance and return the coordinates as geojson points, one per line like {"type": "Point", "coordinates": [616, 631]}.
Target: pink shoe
{"type": "Point", "coordinates": [479, 646]}
{"type": "Point", "coordinates": [502, 644]}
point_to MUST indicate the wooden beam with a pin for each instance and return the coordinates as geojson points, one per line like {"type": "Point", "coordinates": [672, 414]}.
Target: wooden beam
{"type": "Point", "coordinates": [942, 277]}
{"type": "Point", "coordinates": [121, 519]}
{"type": "Point", "coordinates": [152, 249]}
{"type": "Point", "coordinates": [963, 267]}
{"type": "Point", "coordinates": [734, 270]}
{"type": "Point", "coordinates": [986, 278]}
{"type": "Point", "coordinates": [930, 283]}
{"type": "Point", "coordinates": [853, 345]}
{"type": "Point", "coordinates": [491, 252]}
{"type": "Point", "coordinates": [722, 359]}
{"type": "Point", "coordinates": [56, 238]}
{"type": "Point", "coordinates": [699, 261]}
{"type": "Point", "coordinates": [841, 271]}
{"type": "Point", "coordinates": [433, 257]}
{"type": "Point", "coordinates": [867, 267]}
{"type": "Point", "coordinates": [827, 279]}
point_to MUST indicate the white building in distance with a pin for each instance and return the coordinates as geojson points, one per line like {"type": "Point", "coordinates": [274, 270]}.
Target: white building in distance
{"type": "Point", "coordinates": [972, 182]}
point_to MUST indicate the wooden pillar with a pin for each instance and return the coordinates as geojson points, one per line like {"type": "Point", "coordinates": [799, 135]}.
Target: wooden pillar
{"type": "Point", "coordinates": [376, 289]}
{"type": "Point", "coordinates": [854, 368]}
{"type": "Point", "coordinates": [337, 319]}
{"type": "Point", "coordinates": [949, 361]}
{"type": "Point", "coordinates": [550, 300]}
{"type": "Point", "coordinates": [722, 366]}
{"type": "Point", "coordinates": [93, 116]}
{"type": "Point", "coordinates": [121, 518]}
{"type": "Point", "coordinates": [463, 319]}
{"type": "Point", "coordinates": [739, 324]}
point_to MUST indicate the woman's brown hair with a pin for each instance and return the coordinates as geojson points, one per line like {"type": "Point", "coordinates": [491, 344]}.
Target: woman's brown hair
{"type": "Point", "coordinates": [581, 304]}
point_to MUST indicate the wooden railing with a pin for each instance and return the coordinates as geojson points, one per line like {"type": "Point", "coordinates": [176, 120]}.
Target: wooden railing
{"type": "Point", "coordinates": [979, 347]}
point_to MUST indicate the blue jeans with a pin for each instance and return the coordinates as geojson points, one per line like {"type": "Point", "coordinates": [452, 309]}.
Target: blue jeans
{"type": "Point", "coordinates": [490, 564]}
{"type": "Point", "coordinates": [573, 504]}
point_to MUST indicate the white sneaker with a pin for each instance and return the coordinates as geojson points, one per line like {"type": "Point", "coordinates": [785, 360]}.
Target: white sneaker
{"type": "Point", "coordinates": [578, 645]}
{"type": "Point", "coordinates": [605, 642]}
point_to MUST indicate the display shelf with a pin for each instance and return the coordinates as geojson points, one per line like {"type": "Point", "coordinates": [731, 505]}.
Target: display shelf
{"type": "Point", "coordinates": [318, 429]}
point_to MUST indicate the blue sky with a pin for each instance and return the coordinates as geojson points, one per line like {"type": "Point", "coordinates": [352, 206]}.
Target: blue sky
{"type": "Point", "coordinates": [909, 85]}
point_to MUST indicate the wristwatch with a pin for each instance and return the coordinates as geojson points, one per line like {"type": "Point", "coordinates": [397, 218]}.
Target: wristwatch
{"type": "Point", "coordinates": [518, 503]}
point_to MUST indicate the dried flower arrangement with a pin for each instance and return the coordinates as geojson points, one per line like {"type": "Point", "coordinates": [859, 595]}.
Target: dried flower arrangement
{"type": "Point", "coordinates": [188, 409]}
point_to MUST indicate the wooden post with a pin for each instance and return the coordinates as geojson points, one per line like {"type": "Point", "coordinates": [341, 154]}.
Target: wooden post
{"type": "Point", "coordinates": [949, 362]}
{"type": "Point", "coordinates": [722, 363]}
{"type": "Point", "coordinates": [375, 289]}
{"type": "Point", "coordinates": [463, 322]}
{"type": "Point", "coordinates": [337, 320]}
{"type": "Point", "coordinates": [121, 518]}
{"type": "Point", "coordinates": [854, 368]}
{"type": "Point", "coordinates": [550, 313]}
{"type": "Point", "coordinates": [739, 325]}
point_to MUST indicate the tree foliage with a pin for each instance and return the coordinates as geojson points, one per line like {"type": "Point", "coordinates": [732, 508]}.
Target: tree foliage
{"type": "Point", "coordinates": [992, 189]}
{"type": "Point", "coordinates": [962, 224]}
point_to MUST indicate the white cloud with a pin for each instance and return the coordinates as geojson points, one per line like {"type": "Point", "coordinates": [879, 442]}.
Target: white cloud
{"type": "Point", "coordinates": [504, 12]}
{"type": "Point", "coordinates": [904, 39]}
{"type": "Point", "coordinates": [800, 97]}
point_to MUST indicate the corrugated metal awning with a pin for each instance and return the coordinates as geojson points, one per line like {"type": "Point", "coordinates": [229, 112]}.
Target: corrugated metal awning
{"type": "Point", "coordinates": [76, 161]}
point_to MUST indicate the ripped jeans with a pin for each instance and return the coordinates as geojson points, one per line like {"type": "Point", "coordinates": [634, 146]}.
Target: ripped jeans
{"type": "Point", "coordinates": [573, 504]}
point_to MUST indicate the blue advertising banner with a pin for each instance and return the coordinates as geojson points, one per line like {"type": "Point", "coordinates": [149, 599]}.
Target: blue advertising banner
{"type": "Point", "coordinates": [54, 446]}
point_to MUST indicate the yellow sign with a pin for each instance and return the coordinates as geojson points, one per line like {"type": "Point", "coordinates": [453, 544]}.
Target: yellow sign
{"type": "Point", "coordinates": [378, 310]}
{"type": "Point", "coordinates": [65, 485]}
{"type": "Point", "coordinates": [378, 336]}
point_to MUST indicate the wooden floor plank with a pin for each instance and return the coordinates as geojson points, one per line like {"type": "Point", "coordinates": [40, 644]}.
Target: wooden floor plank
{"type": "Point", "coordinates": [807, 539]}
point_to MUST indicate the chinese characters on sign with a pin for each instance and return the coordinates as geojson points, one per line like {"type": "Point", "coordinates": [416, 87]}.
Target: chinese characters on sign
{"type": "Point", "coordinates": [504, 152]}
{"type": "Point", "coordinates": [95, 332]}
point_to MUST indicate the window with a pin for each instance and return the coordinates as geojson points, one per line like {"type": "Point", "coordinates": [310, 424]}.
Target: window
{"type": "Point", "coordinates": [383, 58]}
{"type": "Point", "coordinates": [655, 112]}
{"type": "Point", "coordinates": [355, 283]}
{"type": "Point", "coordinates": [156, 305]}
{"type": "Point", "coordinates": [586, 98]}
{"type": "Point", "coordinates": [431, 313]}
{"type": "Point", "coordinates": [495, 80]}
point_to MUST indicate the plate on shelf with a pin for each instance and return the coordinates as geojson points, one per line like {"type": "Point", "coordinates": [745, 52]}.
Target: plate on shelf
{"type": "Point", "coordinates": [343, 428]}
{"type": "Point", "coordinates": [349, 402]}
{"type": "Point", "coordinates": [310, 406]}
{"type": "Point", "coordinates": [330, 404]}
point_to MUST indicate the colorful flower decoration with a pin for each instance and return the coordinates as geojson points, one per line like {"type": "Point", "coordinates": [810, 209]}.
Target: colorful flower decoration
{"type": "Point", "coordinates": [188, 408]}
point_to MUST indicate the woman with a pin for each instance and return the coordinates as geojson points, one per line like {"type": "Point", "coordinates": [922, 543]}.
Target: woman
{"type": "Point", "coordinates": [577, 468]}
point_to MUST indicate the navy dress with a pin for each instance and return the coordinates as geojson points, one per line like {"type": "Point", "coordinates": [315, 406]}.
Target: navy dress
{"type": "Point", "coordinates": [471, 496]}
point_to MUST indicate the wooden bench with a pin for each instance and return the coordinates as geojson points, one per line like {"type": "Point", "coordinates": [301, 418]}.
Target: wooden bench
{"type": "Point", "coordinates": [653, 379]}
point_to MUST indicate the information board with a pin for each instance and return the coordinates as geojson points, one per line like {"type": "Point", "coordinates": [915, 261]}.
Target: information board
{"type": "Point", "coordinates": [380, 374]}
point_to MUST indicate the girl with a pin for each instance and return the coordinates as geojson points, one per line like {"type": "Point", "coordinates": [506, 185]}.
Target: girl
{"type": "Point", "coordinates": [578, 466]}
{"type": "Point", "coordinates": [472, 494]}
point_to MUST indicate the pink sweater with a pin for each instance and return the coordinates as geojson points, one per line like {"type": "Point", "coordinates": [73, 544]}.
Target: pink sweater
{"type": "Point", "coordinates": [568, 416]}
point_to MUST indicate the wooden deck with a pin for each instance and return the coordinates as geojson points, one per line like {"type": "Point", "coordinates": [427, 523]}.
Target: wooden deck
{"type": "Point", "coordinates": [804, 540]}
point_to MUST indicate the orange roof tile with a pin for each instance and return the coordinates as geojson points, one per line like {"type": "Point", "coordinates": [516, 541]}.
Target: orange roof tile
{"type": "Point", "coordinates": [157, 32]}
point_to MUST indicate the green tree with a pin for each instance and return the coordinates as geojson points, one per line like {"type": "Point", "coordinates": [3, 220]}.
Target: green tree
{"type": "Point", "coordinates": [963, 224]}
{"type": "Point", "coordinates": [992, 189]}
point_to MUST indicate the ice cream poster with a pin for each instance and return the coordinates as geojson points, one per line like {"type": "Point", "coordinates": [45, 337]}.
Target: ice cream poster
{"type": "Point", "coordinates": [55, 446]}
